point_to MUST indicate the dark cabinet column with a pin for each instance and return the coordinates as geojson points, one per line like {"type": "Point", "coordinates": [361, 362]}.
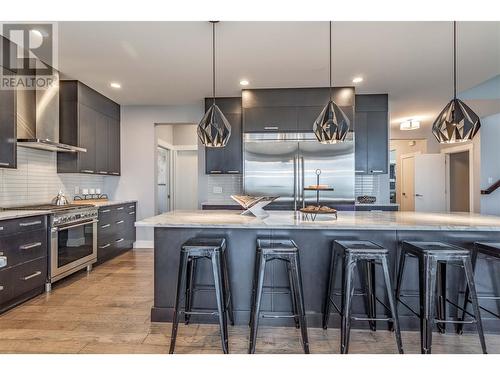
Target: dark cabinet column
{"type": "Point", "coordinates": [360, 142]}
{"type": "Point", "coordinates": [87, 139]}
{"type": "Point", "coordinates": [102, 143]}
{"type": "Point", "coordinates": [114, 147]}
{"type": "Point", "coordinates": [229, 159]}
{"type": "Point", "coordinates": [377, 152]}
{"type": "Point", "coordinates": [8, 126]}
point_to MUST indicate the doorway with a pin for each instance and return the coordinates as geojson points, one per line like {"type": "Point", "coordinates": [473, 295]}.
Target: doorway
{"type": "Point", "coordinates": [459, 182]}
{"type": "Point", "coordinates": [163, 189]}
{"type": "Point", "coordinates": [408, 183]}
{"type": "Point", "coordinates": [176, 167]}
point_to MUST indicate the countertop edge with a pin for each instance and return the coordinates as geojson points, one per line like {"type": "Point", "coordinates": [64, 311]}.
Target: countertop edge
{"type": "Point", "coordinates": [18, 214]}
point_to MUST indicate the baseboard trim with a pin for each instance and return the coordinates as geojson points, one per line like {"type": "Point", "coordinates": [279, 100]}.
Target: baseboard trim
{"type": "Point", "coordinates": [144, 244]}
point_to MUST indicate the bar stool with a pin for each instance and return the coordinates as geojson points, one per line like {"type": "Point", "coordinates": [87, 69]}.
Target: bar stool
{"type": "Point", "coordinates": [191, 251]}
{"type": "Point", "coordinates": [433, 257]}
{"type": "Point", "coordinates": [286, 251]}
{"type": "Point", "coordinates": [490, 250]}
{"type": "Point", "coordinates": [370, 254]}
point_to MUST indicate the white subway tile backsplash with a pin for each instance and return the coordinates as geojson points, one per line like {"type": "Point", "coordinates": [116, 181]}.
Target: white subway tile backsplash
{"type": "Point", "coordinates": [36, 180]}
{"type": "Point", "coordinates": [230, 185]}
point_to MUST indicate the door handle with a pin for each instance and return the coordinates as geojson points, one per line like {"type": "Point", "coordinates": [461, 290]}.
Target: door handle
{"type": "Point", "coordinates": [30, 223]}
{"type": "Point", "coordinates": [30, 246]}
{"type": "Point", "coordinates": [37, 273]}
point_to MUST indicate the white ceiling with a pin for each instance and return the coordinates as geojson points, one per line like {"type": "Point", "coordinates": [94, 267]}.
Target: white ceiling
{"type": "Point", "coordinates": [169, 63]}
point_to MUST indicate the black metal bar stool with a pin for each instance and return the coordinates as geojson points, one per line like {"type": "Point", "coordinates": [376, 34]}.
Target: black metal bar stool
{"type": "Point", "coordinates": [490, 250]}
{"type": "Point", "coordinates": [370, 254]}
{"type": "Point", "coordinates": [191, 251]}
{"type": "Point", "coordinates": [286, 251]}
{"type": "Point", "coordinates": [433, 257]}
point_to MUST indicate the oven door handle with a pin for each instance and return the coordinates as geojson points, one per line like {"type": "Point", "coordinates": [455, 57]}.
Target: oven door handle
{"type": "Point", "coordinates": [58, 229]}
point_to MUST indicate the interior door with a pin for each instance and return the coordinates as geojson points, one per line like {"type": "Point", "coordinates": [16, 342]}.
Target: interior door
{"type": "Point", "coordinates": [408, 183]}
{"type": "Point", "coordinates": [186, 180]}
{"type": "Point", "coordinates": [430, 183]}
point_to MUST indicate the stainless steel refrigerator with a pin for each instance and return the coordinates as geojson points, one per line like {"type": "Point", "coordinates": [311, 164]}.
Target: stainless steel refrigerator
{"type": "Point", "coordinates": [284, 163]}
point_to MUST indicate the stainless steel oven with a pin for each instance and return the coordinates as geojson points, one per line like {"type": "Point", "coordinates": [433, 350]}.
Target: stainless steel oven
{"type": "Point", "coordinates": [73, 242]}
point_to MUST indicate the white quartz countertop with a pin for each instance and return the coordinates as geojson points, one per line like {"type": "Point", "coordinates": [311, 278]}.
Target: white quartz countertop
{"type": "Point", "coordinates": [17, 214]}
{"type": "Point", "coordinates": [346, 220]}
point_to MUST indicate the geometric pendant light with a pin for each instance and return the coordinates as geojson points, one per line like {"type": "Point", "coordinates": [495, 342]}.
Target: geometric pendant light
{"type": "Point", "coordinates": [456, 122]}
{"type": "Point", "coordinates": [332, 125]}
{"type": "Point", "coordinates": [214, 130]}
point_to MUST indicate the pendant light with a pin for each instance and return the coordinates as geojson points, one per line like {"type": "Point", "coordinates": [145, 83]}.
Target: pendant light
{"type": "Point", "coordinates": [456, 122]}
{"type": "Point", "coordinates": [332, 125]}
{"type": "Point", "coordinates": [214, 130]}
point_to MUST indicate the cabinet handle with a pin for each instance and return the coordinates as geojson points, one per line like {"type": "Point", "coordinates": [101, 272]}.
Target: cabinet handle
{"type": "Point", "coordinates": [1, 228]}
{"type": "Point", "coordinates": [37, 273]}
{"type": "Point", "coordinates": [3, 261]}
{"type": "Point", "coordinates": [120, 222]}
{"type": "Point", "coordinates": [120, 240]}
{"type": "Point", "coordinates": [119, 209]}
{"type": "Point", "coordinates": [105, 246]}
{"type": "Point", "coordinates": [30, 223]}
{"type": "Point", "coordinates": [233, 171]}
{"type": "Point", "coordinates": [131, 213]}
{"type": "Point", "coordinates": [105, 211]}
{"type": "Point", "coordinates": [87, 171]}
{"type": "Point", "coordinates": [215, 172]}
{"type": "Point", "coordinates": [133, 206]}
{"type": "Point", "coordinates": [30, 246]}
{"type": "Point", "coordinates": [115, 173]}
{"type": "Point", "coordinates": [102, 172]}
{"type": "Point", "coordinates": [271, 127]}
{"type": "Point", "coordinates": [4, 164]}
{"type": "Point", "coordinates": [1, 288]}
{"type": "Point", "coordinates": [377, 171]}
{"type": "Point", "coordinates": [105, 226]}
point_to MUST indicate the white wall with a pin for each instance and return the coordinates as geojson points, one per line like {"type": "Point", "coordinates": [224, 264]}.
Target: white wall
{"type": "Point", "coordinates": [138, 153]}
{"type": "Point", "coordinates": [490, 166]}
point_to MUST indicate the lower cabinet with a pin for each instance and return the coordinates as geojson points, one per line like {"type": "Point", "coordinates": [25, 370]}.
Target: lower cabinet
{"type": "Point", "coordinates": [115, 230]}
{"type": "Point", "coordinates": [24, 260]}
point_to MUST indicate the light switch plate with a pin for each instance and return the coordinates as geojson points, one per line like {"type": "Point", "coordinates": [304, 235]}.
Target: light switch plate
{"type": "Point", "coordinates": [217, 190]}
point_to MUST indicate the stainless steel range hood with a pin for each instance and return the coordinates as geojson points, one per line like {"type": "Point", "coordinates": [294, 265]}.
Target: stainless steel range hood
{"type": "Point", "coordinates": [40, 128]}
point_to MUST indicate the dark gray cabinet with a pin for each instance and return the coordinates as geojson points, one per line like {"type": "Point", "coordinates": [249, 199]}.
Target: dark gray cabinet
{"type": "Point", "coordinates": [115, 230]}
{"type": "Point", "coordinates": [372, 134]}
{"type": "Point", "coordinates": [90, 120]}
{"type": "Point", "coordinates": [228, 159]}
{"type": "Point", "coordinates": [290, 110]}
{"type": "Point", "coordinates": [8, 131]}
{"type": "Point", "coordinates": [23, 248]}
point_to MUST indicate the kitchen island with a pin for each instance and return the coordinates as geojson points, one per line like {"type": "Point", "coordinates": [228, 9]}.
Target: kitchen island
{"type": "Point", "coordinates": [314, 239]}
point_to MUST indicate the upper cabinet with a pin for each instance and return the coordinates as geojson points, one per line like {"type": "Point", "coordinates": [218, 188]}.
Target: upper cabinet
{"type": "Point", "coordinates": [290, 110]}
{"type": "Point", "coordinates": [8, 128]}
{"type": "Point", "coordinates": [372, 134]}
{"type": "Point", "coordinates": [228, 159]}
{"type": "Point", "coordinates": [92, 121]}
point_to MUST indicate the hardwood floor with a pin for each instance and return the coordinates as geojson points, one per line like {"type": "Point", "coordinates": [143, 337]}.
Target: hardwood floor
{"type": "Point", "coordinates": [108, 311]}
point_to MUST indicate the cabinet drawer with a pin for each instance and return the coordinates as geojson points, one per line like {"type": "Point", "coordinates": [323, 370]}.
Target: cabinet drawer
{"type": "Point", "coordinates": [20, 249]}
{"type": "Point", "coordinates": [15, 226]}
{"type": "Point", "coordinates": [15, 281]}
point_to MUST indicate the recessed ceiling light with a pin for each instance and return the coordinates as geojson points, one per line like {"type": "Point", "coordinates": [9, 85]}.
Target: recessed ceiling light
{"type": "Point", "coordinates": [244, 82]}
{"type": "Point", "coordinates": [115, 85]}
{"type": "Point", "coordinates": [357, 80]}
{"type": "Point", "coordinates": [409, 125]}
